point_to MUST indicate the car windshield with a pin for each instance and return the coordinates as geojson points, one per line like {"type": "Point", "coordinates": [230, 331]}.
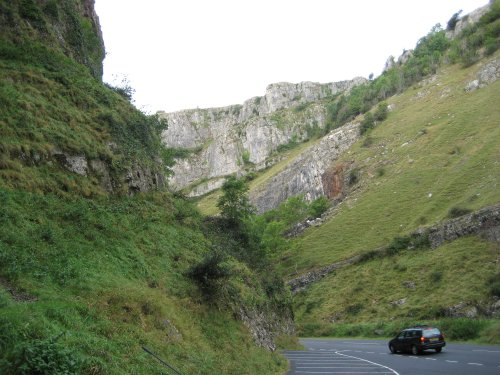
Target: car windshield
{"type": "Point", "coordinates": [430, 332]}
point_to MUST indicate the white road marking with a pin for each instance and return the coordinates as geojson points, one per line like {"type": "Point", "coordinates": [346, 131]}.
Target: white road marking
{"type": "Point", "coordinates": [377, 364]}
{"type": "Point", "coordinates": [475, 364]}
{"type": "Point", "coordinates": [432, 359]}
{"type": "Point", "coordinates": [451, 361]}
{"type": "Point", "coordinates": [487, 351]}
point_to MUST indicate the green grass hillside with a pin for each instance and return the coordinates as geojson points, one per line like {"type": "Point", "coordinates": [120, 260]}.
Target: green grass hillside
{"type": "Point", "coordinates": [90, 271]}
{"type": "Point", "coordinates": [109, 275]}
{"type": "Point", "coordinates": [438, 150]}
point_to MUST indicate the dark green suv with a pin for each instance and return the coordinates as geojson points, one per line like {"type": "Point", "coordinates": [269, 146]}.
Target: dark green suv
{"type": "Point", "coordinates": [417, 339]}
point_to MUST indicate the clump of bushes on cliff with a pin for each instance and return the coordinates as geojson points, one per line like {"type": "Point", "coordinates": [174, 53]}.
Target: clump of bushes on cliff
{"type": "Point", "coordinates": [430, 52]}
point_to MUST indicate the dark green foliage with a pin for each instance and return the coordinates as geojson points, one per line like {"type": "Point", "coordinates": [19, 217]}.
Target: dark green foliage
{"type": "Point", "coordinates": [319, 206]}
{"type": "Point", "coordinates": [462, 328]}
{"type": "Point", "coordinates": [458, 211]}
{"type": "Point", "coordinates": [234, 204]}
{"type": "Point", "coordinates": [452, 22]}
{"type": "Point", "coordinates": [485, 34]}
{"type": "Point", "coordinates": [369, 255]}
{"type": "Point", "coordinates": [381, 112]}
{"type": "Point", "coordinates": [354, 176]}
{"type": "Point", "coordinates": [494, 285]}
{"type": "Point", "coordinates": [399, 244]}
{"type": "Point", "coordinates": [436, 276]}
{"type": "Point", "coordinates": [367, 123]}
{"type": "Point", "coordinates": [211, 273]}
{"type": "Point", "coordinates": [41, 357]}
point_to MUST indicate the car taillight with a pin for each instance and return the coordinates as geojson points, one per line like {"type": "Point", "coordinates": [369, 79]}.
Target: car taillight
{"type": "Point", "coordinates": [422, 339]}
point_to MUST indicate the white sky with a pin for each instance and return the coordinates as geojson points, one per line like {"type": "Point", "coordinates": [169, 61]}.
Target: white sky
{"type": "Point", "coordinates": [180, 54]}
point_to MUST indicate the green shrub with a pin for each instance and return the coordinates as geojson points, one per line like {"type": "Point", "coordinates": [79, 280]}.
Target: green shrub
{"type": "Point", "coordinates": [463, 328]}
{"type": "Point", "coordinates": [39, 357]}
{"type": "Point", "coordinates": [354, 175]}
{"type": "Point", "coordinates": [381, 112]}
{"type": "Point", "coordinates": [210, 273]}
{"type": "Point", "coordinates": [367, 123]}
{"type": "Point", "coordinates": [436, 276]}
{"type": "Point", "coordinates": [319, 206]}
{"type": "Point", "coordinates": [494, 285]}
{"type": "Point", "coordinates": [245, 156]}
{"type": "Point", "coordinates": [458, 211]}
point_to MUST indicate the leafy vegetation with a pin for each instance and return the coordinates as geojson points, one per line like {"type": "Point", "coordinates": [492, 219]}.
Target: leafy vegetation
{"type": "Point", "coordinates": [89, 274]}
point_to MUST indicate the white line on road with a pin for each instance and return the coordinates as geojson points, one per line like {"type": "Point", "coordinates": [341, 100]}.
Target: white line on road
{"type": "Point", "coordinates": [475, 364]}
{"type": "Point", "coordinates": [484, 350]}
{"type": "Point", "coordinates": [451, 361]}
{"type": "Point", "coordinates": [365, 360]}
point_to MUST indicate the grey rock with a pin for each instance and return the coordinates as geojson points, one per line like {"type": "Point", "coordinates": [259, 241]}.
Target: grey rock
{"type": "Point", "coordinates": [467, 20]}
{"type": "Point", "coordinates": [486, 76]}
{"type": "Point", "coordinates": [409, 284]}
{"type": "Point", "coordinates": [304, 174]}
{"type": "Point", "coordinates": [484, 222]}
{"type": "Point", "coordinates": [265, 325]}
{"type": "Point", "coordinates": [399, 302]}
{"type": "Point", "coordinates": [219, 137]}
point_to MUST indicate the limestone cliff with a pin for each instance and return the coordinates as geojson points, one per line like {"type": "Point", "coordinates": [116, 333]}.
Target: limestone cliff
{"type": "Point", "coordinates": [227, 140]}
{"type": "Point", "coordinates": [306, 174]}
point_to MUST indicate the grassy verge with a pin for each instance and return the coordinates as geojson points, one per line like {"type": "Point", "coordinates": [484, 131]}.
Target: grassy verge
{"type": "Point", "coordinates": [477, 330]}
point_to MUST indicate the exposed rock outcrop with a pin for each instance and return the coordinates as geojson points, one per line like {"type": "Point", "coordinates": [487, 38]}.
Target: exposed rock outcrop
{"type": "Point", "coordinates": [228, 140]}
{"type": "Point", "coordinates": [266, 325]}
{"type": "Point", "coordinates": [484, 223]}
{"type": "Point", "coordinates": [486, 76]}
{"type": "Point", "coordinates": [467, 20]}
{"type": "Point", "coordinates": [306, 174]}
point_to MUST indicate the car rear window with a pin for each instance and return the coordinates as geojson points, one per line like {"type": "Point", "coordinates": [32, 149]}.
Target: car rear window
{"type": "Point", "coordinates": [430, 332]}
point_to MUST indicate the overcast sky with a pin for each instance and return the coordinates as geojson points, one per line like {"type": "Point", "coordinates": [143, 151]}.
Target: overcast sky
{"type": "Point", "coordinates": [180, 54]}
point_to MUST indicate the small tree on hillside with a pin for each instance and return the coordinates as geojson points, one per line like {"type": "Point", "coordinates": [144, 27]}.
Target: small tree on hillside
{"type": "Point", "coordinates": [234, 204]}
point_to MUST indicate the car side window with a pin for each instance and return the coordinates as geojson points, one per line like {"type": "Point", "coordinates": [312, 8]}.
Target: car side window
{"type": "Point", "coordinates": [401, 335]}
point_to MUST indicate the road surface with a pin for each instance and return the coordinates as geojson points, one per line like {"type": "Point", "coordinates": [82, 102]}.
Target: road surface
{"type": "Point", "coordinates": [346, 356]}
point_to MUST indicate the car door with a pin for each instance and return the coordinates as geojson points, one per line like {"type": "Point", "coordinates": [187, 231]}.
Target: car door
{"type": "Point", "coordinates": [399, 342]}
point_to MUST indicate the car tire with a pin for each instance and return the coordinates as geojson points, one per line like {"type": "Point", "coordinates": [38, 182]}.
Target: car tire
{"type": "Point", "coordinates": [392, 349]}
{"type": "Point", "coordinates": [415, 350]}
{"type": "Point", "coordinates": [438, 350]}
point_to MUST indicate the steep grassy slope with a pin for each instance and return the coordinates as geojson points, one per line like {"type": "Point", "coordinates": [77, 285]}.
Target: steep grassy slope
{"type": "Point", "coordinates": [438, 149]}
{"type": "Point", "coordinates": [90, 272]}
{"type": "Point", "coordinates": [109, 275]}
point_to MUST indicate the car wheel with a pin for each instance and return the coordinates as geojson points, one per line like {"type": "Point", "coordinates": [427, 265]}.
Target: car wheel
{"type": "Point", "coordinates": [438, 350]}
{"type": "Point", "coordinates": [392, 349]}
{"type": "Point", "coordinates": [414, 350]}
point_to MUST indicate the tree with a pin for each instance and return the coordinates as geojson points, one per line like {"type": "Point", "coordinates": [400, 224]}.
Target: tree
{"type": "Point", "coordinates": [453, 20]}
{"type": "Point", "coordinates": [234, 204]}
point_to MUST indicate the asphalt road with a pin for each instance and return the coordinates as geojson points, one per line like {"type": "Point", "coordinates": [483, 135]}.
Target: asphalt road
{"type": "Point", "coordinates": [345, 356]}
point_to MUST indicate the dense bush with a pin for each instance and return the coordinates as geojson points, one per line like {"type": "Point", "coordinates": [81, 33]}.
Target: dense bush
{"type": "Point", "coordinates": [41, 357]}
{"type": "Point", "coordinates": [211, 273]}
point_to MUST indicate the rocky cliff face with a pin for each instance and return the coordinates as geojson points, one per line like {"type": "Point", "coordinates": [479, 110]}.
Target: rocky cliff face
{"type": "Point", "coordinates": [467, 20]}
{"type": "Point", "coordinates": [70, 26]}
{"type": "Point", "coordinates": [308, 173]}
{"type": "Point", "coordinates": [223, 141]}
